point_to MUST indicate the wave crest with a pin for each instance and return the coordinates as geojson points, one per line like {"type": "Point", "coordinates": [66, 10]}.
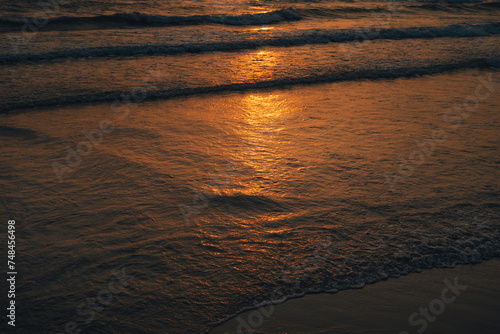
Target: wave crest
{"type": "Point", "coordinates": [118, 20]}
{"type": "Point", "coordinates": [373, 74]}
{"type": "Point", "coordinates": [303, 38]}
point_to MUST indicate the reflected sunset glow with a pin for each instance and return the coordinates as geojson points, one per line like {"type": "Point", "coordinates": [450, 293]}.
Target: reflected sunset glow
{"type": "Point", "coordinates": [257, 66]}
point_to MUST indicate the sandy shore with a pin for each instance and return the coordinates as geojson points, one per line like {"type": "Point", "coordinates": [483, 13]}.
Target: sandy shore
{"type": "Point", "coordinates": [465, 299]}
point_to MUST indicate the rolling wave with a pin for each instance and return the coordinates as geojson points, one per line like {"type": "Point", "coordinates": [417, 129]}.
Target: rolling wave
{"type": "Point", "coordinates": [321, 12]}
{"type": "Point", "coordinates": [372, 74]}
{"type": "Point", "coordinates": [488, 6]}
{"type": "Point", "coordinates": [146, 20]}
{"type": "Point", "coordinates": [137, 19]}
{"type": "Point", "coordinates": [339, 11]}
{"type": "Point", "coordinates": [450, 1]}
{"type": "Point", "coordinates": [302, 38]}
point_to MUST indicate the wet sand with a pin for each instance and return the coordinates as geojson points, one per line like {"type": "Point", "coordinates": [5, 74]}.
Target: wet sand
{"type": "Point", "coordinates": [385, 307]}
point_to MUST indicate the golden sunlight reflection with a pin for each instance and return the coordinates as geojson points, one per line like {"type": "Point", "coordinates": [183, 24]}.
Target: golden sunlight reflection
{"type": "Point", "coordinates": [257, 66]}
{"type": "Point", "coordinates": [264, 110]}
{"type": "Point", "coordinates": [262, 125]}
{"type": "Point", "coordinates": [263, 29]}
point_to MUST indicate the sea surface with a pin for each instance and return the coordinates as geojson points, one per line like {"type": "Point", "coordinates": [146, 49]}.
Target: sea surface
{"type": "Point", "coordinates": [217, 156]}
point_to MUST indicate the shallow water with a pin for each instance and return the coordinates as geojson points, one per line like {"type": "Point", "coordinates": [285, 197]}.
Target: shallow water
{"type": "Point", "coordinates": [283, 190]}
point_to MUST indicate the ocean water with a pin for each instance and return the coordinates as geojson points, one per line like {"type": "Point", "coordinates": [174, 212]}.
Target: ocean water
{"type": "Point", "coordinates": [223, 155]}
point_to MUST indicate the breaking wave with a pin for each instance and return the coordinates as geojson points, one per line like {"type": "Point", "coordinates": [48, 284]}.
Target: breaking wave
{"type": "Point", "coordinates": [372, 74]}
{"type": "Point", "coordinates": [118, 20]}
{"type": "Point", "coordinates": [301, 38]}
